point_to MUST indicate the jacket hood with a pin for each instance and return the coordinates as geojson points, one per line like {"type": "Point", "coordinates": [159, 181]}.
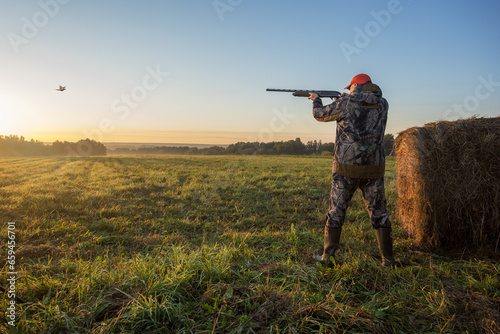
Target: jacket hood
{"type": "Point", "coordinates": [368, 93]}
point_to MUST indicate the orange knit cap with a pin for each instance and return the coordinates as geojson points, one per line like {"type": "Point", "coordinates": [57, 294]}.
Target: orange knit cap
{"type": "Point", "coordinates": [359, 79]}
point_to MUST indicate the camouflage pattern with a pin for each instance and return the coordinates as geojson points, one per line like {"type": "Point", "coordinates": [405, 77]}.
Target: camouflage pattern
{"type": "Point", "coordinates": [359, 157]}
{"type": "Point", "coordinates": [373, 192]}
{"type": "Point", "coordinates": [361, 119]}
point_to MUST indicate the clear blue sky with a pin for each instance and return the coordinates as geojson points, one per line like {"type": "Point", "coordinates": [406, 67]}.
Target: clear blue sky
{"type": "Point", "coordinates": [196, 71]}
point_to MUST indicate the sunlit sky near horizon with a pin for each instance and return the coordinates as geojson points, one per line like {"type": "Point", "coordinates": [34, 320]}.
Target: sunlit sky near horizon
{"type": "Point", "coordinates": [197, 71]}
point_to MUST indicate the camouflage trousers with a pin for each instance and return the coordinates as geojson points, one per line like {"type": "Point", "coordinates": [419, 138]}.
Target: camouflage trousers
{"type": "Point", "coordinates": [373, 192]}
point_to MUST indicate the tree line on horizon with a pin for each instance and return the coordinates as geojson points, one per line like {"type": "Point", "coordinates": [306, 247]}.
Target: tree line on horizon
{"type": "Point", "coordinates": [291, 147]}
{"type": "Point", "coordinates": [11, 146]}
{"type": "Point", "coordinates": [15, 146]}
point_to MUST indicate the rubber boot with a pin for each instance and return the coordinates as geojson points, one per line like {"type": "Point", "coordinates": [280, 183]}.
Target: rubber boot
{"type": "Point", "coordinates": [331, 244]}
{"type": "Point", "coordinates": [384, 239]}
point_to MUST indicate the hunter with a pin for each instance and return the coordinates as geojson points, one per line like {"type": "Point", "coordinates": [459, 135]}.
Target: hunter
{"type": "Point", "coordinates": [358, 162]}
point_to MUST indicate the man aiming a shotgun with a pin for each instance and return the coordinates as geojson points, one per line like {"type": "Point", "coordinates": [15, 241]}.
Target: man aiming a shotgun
{"type": "Point", "coordinates": [359, 162]}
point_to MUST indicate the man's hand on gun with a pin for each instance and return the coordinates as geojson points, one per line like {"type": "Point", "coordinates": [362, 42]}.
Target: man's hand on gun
{"type": "Point", "coordinates": [313, 96]}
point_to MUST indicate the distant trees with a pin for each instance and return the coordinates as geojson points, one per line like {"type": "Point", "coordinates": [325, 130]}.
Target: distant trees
{"type": "Point", "coordinates": [291, 147]}
{"type": "Point", "coordinates": [214, 150]}
{"type": "Point", "coordinates": [19, 146]}
{"type": "Point", "coordinates": [14, 146]}
{"type": "Point", "coordinates": [84, 147]}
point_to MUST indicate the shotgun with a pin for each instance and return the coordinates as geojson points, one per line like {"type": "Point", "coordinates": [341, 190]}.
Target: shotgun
{"type": "Point", "coordinates": [305, 93]}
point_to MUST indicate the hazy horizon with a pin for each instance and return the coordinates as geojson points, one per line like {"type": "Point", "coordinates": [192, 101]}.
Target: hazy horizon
{"type": "Point", "coordinates": [248, 137]}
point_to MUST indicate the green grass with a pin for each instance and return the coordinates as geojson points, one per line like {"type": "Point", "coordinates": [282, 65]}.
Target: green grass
{"type": "Point", "coordinates": [219, 245]}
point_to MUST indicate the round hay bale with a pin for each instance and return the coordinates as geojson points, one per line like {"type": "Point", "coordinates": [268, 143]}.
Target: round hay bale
{"type": "Point", "coordinates": [448, 182]}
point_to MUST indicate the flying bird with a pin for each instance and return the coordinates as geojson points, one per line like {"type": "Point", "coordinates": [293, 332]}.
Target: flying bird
{"type": "Point", "coordinates": [61, 88]}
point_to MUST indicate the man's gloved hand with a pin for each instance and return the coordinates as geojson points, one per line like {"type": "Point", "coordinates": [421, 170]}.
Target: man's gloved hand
{"type": "Point", "coordinates": [313, 96]}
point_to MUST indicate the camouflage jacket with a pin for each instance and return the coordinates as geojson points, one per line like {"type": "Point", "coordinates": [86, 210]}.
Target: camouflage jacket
{"type": "Point", "coordinates": [361, 119]}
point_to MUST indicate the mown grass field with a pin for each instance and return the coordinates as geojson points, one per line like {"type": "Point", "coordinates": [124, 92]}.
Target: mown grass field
{"type": "Point", "coordinates": [219, 245]}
